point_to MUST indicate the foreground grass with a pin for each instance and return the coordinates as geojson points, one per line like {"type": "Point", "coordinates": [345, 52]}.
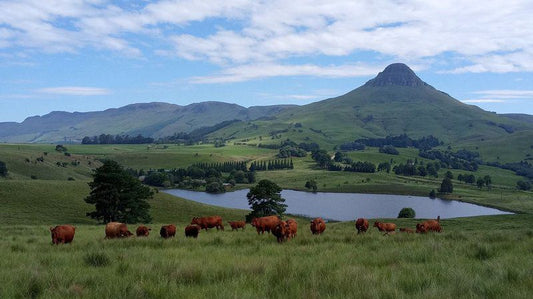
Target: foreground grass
{"type": "Point", "coordinates": [466, 260]}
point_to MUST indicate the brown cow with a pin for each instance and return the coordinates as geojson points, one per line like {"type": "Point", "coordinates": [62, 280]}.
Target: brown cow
{"type": "Point", "coordinates": [168, 231]}
{"type": "Point", "coordinates": [208, 222]}
{"type": "Point", "coordinates": [116, 230]}
{"type": "Point", "coordinates": [318, 226]}
{"type": "Point", "coordinates": [429, 225]}
{"type": "Point", "coordinates": [235, 225]}
{"type": "Point", "coordinates": [292, 228]}
{"type": "Point", "coordinates": [192, 231]}
{"type": "Point", "coordinates": [280, 231]}
{"type": "Point", "coordinates": [385, 227]}
{"type": "Point", "coordinates": [361, 224]}
{"type": "Point", "coordinates": [406, 230]}
{"type": "Point", "coordinates": [143, 231]}
{"type": "Point", "coordinates": [267, 223]}
{"type": "Point", "coordinates": [62, 234]}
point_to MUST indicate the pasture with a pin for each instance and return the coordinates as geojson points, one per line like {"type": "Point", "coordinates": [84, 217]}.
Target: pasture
{"type": "Point", "coordinates": [483, 257]}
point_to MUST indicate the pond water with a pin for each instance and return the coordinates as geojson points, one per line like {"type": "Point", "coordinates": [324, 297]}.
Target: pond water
{"type": "Point", "coordinates": [347, 206]}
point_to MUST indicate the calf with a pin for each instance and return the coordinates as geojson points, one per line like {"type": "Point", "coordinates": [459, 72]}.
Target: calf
{"type": "Point", "coordinates": [385, 227]}
{"type": "Point", "coordinates": [168, 231]}
{"type": "Point", "coordinates": [361, 224]}
{"type": "Point", "coordinates": [117, 230]}
{"type": "Point", "coordinates": [280, 231]}
{"type": "Point", "coordinates": [192, 231]}
{"type": "Point", "coordinates": [292, 228]}
{"type": "Point", "coordinates": [62, 234]}
{"type": "Point", "coordinates": [429, 225]}
{"type": "Point", "coordinates": [318, 226]}
{"type": "Point", "coordinates": [143, 231]}
{"type": "Point", "coordinates": [235, 225]}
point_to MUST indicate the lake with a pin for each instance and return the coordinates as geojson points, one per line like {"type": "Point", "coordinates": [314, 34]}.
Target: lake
{"type": "Point", "coordinates": [347, 206]}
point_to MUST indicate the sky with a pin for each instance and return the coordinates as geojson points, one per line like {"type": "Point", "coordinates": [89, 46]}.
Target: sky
{"type": "Point", "coordinates": [91, 55]}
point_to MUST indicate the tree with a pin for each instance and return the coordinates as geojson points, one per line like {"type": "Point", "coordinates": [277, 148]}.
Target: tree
{"type": "Point", "coordinates": [446, 186]}
{"type": "Point", "coordinates": [118, 196]}
{"type": "Point", "coordinates": [523, 185]}
{"type": "Point", "coordinates": [407, 213]}
{"type": "Point", "coordinates": [480, 183]}
{"type": "Point", "coordinates": [311, 184]}
{"type": "Point", "coordinates": [488, 181]}
{"type": "Point", "coordinates": [265, 200]}
{"type": "Point", "coordinates": [449, 175]}
{"type": "Point", "coordinates": [3, 169]}
{"type": "Point", "coordinates": [432, 193]}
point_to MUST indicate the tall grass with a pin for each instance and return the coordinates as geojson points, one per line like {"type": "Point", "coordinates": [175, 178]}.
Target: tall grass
{"type": "Point", "coordinates": [472, 262]}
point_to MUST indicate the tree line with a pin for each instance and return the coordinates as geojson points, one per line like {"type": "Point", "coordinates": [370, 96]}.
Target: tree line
{"type": "Point", "coordinates": [116, 139]}
{"type": "Point", "coordinates": [401, 141]}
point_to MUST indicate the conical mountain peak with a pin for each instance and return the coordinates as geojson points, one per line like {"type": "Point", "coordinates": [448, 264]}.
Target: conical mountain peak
{"type": "Point", "coordinates": [397, 74]}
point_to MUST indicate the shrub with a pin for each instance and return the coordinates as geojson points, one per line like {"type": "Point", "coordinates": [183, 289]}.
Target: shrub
{"type": "Point", "coordinates": [3, 169]}
{"type": "Point", "coordinates": [407, 213]}
{"type": "Point", "coordinates": [432, 194]}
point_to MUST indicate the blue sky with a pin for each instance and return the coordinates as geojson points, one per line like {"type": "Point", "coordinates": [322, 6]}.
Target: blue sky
{"type": "Point", "coordinates": [87, 55]}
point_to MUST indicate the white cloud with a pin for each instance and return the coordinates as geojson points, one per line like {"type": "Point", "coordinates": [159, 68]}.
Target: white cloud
{"type": "Point", "coordinates": [255, 71]}
{"type": "Point", "coordinates": [489, 36]}
{"type": "Point", "coordinates": [505, 93]}
{"type": "Point", "coordinates": [484, 101]}
{"type": "Point", "coordinates": [75, 91]}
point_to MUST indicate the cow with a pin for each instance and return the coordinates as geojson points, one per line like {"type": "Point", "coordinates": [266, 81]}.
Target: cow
{"type": "Point", "coordinates": [208, 222]}
{"type": "Point", "coordinates": [266, 223]}
{"type": "Point", "coordinates": [361, 224]}
{"type": "Point", "coordinates": [117, 230]}
{"type": "Point", "coordinates": [318, 226]}
{"type": "Point", "coordinates": [143, 231]}
{"type": "Point", "coordinates": [192, 231]}
{"type": "Point", "coordinates": [292, 228]}
{"type": "Point", "coordinates": [62, 234]}
{"type": "Point", "coordinates": [235, 225]}
{"type": "Point", "coordinates": [406, 230]}
{"type": "Point", "coordinates": [385, 227]}
{"type": "Point", "coordinates": [429, 225]}
{"type": "Point", "coordinates": [280, 231]}
{"type": "Point", "coordinates": [168, 231]}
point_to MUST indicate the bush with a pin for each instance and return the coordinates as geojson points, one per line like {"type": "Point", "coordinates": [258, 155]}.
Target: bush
{"type": "Point", "coordinates": [407, 213]}
{"type": "Point", "coordinates": [389, 149]}
{"type": "Point", "coordinates": [523, 185]}
{"type": "Point", "coordinates": [432, 194]}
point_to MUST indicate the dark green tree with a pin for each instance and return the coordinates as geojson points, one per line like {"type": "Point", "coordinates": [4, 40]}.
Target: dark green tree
{"type": "Point", "coordinates": [432, 193]}
{"type": "Point", "coordinates": [118, 196]}
{"type": "Point", "coordinates": [265, 200]}
{"type": "Point", "coordinates": [523, 185]}
{"type": "Point", "coordinates": [488, 181]}
{"type": "Point", "coordinates": [3, 169]}
{"type": "Point", "coordinates": [311, 184]}
{"type": "Point", "coordinates": [480, 183]}
{"type": "Point", "coordinates": [407, 213]}
{"type": "Point", "coordinates": [446, 186]}
{"type": "Point", "coordinates": [449, 175]}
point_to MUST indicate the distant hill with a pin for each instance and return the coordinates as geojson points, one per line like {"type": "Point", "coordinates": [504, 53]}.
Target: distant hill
{"type": "Point", "coordinates": [395, 102]}
{"type": "Point", "coordinates": [149, 119]}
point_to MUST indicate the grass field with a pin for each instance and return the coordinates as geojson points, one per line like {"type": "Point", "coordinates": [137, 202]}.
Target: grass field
{"type": "Point", "coordinates": [480, 257]}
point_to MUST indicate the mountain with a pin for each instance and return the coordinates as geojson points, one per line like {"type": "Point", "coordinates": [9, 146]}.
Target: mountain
{"type": "Point", "coordinates": [395, 102]}
{"type": "Point", "coordinates": [149, 119]}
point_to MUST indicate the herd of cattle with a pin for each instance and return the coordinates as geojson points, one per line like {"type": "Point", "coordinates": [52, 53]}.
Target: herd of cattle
{"type": "Point", "coordinates": [282, 230]}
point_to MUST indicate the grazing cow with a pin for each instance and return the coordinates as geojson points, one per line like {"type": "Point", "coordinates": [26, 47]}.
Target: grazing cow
{"type": "Point", "coordinates": [280, 231]}
{"type": "Point", "coordinates": [208, 222]}
{"type": "Point", "coordinates": [235, 225]}
{"type": "Point", "coordinates": [192, 231]}
{"type": "Point", "coordinates": [168, 231]}
{"type": "Point", "coordinates": [385, 227]}
{"type": "Point", "coordinates": [116, 230]}
{"type": "Point", "coordinates": [406, 230]}
{"type": "Point", "coordinates": [292, 228]}
{"type": "Point", "coordinates": [267, 223]}
{"type": "Point", "coordinates": [361, 224]}
{"type": "Point", "coordinates": [143, 231]}
{"type": "Point", "coordinates": [62, 234]}
{"type": "Point", "coordinates": [429, 225]}
{"type": "Point", "coordinates": [318, 226]}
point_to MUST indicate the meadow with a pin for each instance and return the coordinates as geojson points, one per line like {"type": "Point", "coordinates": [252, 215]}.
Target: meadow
{"type": "Point", "coordinates": [488, 257]}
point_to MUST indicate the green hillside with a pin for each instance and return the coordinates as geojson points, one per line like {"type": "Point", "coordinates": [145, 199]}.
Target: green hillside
{"type": "Point", "coordinates": [395, 102]}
